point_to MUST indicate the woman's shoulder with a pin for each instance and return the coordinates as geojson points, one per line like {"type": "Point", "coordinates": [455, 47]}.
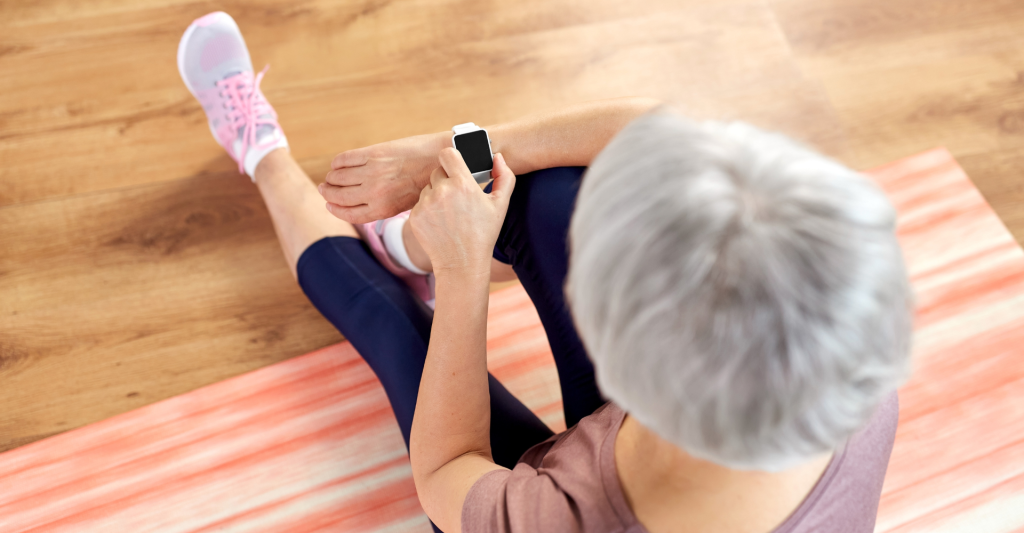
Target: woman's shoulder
{"type": "Point", "coordinates": [558, 485]}
{"type": "Point", "coordinates": [847, 495]}
{"type": "Point", "coordinates": [582, 440]}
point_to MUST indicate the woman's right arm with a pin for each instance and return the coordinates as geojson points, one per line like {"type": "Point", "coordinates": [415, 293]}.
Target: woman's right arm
{"type": "Point", "coordinates": [382, 180]}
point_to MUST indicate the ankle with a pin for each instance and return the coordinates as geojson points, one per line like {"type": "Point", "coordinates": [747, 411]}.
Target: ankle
{"type": "Point", "coordinates": [393, 237]}
{"type": "Point", "coordinates": [272, 164]}
{"type": "Point", "coordinates": [417, 255]}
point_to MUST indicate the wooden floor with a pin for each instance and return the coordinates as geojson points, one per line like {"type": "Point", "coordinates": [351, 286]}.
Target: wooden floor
{"type": "Point", "coordinates": [135, 264]}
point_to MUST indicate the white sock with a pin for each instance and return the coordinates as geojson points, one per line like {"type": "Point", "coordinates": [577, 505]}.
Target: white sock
{"type": "Point", "coordinates": [395, 245]}
{"type": "Point", "coordinates": [255, 155]}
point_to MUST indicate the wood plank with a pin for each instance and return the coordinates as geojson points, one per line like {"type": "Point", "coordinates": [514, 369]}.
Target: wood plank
{"type": "Point", "coordinates": [115, 300]}
{"type": "Point", "coordinates": [911, 74]}
{"type": "Point", "coordinates": [103, 91]}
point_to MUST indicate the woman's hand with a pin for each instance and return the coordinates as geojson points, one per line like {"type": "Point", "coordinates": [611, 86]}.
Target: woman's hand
{"type": "Point", "coordinates": [449, 442]}
{"type": "Point", "coordinates": [380, 181]}
{"type": "Point", "coordinates": [457, 223]}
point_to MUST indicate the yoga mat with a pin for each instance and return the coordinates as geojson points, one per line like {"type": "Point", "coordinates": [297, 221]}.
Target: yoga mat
{"type": "Point", "coordinates": [310, 444]}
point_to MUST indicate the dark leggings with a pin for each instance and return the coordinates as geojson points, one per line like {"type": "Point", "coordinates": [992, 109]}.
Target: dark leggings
{"type": "Point", "coordinates": [390, 327]}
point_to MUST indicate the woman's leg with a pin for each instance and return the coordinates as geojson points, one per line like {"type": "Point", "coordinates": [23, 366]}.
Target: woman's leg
{"type": "Point", "coordinates": [534, 240]}
{"type": "Point", "coordinates": [296, 208]}
{"type": "Point", "coordinates": [388, 326]}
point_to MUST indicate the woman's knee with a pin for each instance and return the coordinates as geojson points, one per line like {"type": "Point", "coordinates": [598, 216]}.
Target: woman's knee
{"type": "Point", "coordinates": [540, 208]}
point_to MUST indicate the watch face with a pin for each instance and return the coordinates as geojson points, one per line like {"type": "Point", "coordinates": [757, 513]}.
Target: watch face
{"type": "Point", "coordinates": [475, 150]}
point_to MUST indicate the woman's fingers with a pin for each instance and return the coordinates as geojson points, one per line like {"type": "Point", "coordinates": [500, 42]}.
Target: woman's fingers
{"type": "Point", "coordinates": [504, 180]}
{"type": "Point", "coordinates": [454, 166]}
{"type": "Point", "coordinates": [343, 196]}
{"type": "Point", "coordinates": [350, 158]}
{"type": "Point", "coordinates": [424, 192]}
{"type": "Point", "coordinates": [360, 214]}
{"type": "Point", "coordinates": [352, 175]}
{"type": "Point", "coordinates": [437, 176]}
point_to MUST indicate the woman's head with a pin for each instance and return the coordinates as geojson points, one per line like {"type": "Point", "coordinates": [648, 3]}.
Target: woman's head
{"type": "Point", "coordinates": [742, 296]}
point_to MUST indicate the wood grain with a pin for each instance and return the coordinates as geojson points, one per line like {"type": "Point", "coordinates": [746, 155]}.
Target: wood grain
{"type": "Point", "coordinates": [135, 264]}
{"type": "Point", "coordinates": [114, 300]}
{"type": "Point", "coordinates": [908, 75]}
{"type": "Point", "coordinates": [346, 74]}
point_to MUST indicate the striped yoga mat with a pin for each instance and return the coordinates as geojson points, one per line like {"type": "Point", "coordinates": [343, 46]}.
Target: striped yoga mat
{"type": "Point", "coordinates": [310, 443]}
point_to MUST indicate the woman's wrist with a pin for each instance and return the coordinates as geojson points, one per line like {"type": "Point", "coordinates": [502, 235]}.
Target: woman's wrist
{"type": "Point", "coordinates": [505, 139]}
{"type": "Point", "coordinates": [463, 275]}
{"type": "Point", "coordinates": [462, 291]}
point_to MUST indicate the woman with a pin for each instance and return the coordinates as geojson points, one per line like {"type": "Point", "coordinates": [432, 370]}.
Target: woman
{"type": "Point", "coordinates": [742, 299]}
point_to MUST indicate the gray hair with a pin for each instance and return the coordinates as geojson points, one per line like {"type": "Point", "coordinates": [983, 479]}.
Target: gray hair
{"type": "Point", "coordinates": [742, 296]}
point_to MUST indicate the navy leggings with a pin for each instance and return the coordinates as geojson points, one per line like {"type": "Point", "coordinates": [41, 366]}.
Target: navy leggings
{"type": "Point", "coordinates": [390, 327]}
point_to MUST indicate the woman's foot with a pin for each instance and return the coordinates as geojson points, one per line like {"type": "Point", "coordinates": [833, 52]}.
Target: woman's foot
{"type": "Point", "coordinates": [385, 239]}
{"type": "Point", "coordinates": [214, 63]}
{"type": "Point", "coordinates": [215, 66]}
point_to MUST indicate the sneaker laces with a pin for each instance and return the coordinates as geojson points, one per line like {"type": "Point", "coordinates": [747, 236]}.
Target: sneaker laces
{"type": "Point", "coordinates": [248, 109]}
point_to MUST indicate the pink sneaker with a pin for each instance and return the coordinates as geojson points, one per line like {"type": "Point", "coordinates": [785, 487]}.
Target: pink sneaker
{"type": "Point", "coordinates": [422, 285]}
{"type": "Point", "coordinates": [214, 63]}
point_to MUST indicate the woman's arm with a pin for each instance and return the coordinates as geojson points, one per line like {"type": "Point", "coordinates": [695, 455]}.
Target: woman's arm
{"type": "Point", "coordinates": [449, 446]}
{"type": "Point", "coordinates": [568, 138]}
{"type": "Point", "coordinates": [382, 180]}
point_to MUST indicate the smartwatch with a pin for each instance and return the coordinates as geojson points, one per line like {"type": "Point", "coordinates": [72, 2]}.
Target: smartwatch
{"type": "Point", "coordinates": [475, 146]}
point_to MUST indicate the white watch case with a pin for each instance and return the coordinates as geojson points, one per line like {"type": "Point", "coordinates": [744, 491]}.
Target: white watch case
{"type": "Point", "coordinates": [469, 127]}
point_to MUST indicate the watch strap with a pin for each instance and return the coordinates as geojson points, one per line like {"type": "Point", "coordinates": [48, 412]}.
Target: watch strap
{"type": "Point", "coordinates": [465, 128]}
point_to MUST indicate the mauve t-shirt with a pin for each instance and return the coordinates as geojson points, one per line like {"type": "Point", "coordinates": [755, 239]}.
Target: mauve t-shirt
{"type": "Point", "coordinates": [569, 483]}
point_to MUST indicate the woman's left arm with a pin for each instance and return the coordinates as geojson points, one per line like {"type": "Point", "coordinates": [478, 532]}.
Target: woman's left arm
{"type": "Point", "coordinates": [450, 447]}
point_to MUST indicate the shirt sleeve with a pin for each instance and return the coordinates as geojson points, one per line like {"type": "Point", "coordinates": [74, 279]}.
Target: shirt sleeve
{"type": "Point", "coordinates": [519, 501]}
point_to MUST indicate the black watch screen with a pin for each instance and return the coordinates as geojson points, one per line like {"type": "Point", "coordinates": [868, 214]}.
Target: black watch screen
{"type": "Point", "coordinates": [475, 150]}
